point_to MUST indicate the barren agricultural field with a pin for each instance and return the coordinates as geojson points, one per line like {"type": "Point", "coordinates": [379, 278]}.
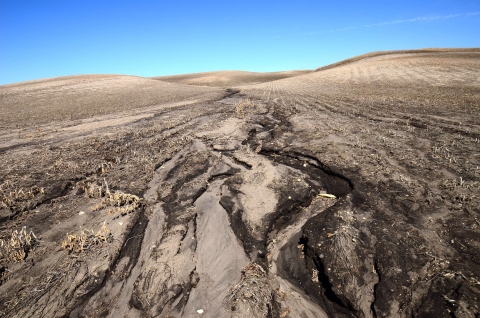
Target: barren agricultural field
{"type": "Point", "coordinates": [348, 191]}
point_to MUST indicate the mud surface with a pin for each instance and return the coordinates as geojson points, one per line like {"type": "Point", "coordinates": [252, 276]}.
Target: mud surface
{"type": "Point", "coordinates": [352, 191]}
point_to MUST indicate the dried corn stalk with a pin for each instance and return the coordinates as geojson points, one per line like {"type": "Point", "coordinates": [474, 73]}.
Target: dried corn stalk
{"type": "Point", "coordinates": [120, 202]}
{"type": "Point", "coordinates": [16, 248]}
{"type": "Point", "coordinates": [10, 197]}
{"type": "Point", "coordinates": [78, 242]}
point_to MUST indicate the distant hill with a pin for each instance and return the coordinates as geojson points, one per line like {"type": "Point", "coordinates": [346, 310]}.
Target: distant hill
{"type": "Point", "coordinates": [380, 53]}
{"type": "Point", "coordinates": [228, 78]}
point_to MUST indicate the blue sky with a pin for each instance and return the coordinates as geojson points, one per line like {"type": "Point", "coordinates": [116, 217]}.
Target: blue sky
{"type": "Point", "coordinates": [41, 39]}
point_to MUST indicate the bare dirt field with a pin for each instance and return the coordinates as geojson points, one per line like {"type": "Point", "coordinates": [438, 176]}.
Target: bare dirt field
{"type": "Point", "coordinates": [349, 191]}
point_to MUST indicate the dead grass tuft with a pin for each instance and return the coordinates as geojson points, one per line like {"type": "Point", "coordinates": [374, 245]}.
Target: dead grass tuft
{"type": "Point", "coordinates": [243, 107]}
{"type": "Point", "coordinates": [83, 240]}
{"type": "Point", "coordinates": [119, 202]}
{"type": "Point", "coordinates": [16, 248]}
{"type": "Point", "coordinates": [11, 196]}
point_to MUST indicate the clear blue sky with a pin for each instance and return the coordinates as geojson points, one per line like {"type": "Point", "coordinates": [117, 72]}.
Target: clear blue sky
{"type": "Point", "coordinates": [40, 39]}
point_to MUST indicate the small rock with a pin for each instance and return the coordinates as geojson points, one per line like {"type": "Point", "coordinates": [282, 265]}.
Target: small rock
{"type": "Point", "coordinates": [121, 223]}
{"type": "Point", "coordinates": [322, 256]}
{"type": "Point", "coordinates": [200, 311]}
{"type": "Point", "coordinates": [81, 213]}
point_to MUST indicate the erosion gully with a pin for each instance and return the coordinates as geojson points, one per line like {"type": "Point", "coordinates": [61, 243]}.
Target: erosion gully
{"type": "Point", "coordinates": [189, 244]}
{"type": "Point", "coordinates": [234, 225]}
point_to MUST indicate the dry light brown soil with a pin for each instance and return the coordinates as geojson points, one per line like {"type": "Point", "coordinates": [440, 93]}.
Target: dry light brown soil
{"type": "Point", "coordinates": [349, 191]}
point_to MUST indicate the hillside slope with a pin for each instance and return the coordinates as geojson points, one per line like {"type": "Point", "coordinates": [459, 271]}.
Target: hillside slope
{"type": "Point", "coordinates": [84, 96]}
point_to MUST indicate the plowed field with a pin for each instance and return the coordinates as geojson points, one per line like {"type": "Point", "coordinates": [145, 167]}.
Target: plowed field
{"type": "Point", "coordinates": [349, 191]}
